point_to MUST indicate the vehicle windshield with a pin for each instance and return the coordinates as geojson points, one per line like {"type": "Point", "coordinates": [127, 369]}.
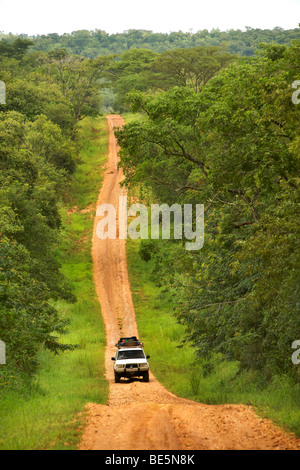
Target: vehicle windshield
{"type": "Point", "coordinates": [134, 354]}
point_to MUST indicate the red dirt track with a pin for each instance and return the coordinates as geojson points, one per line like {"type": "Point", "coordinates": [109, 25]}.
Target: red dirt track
{"type": "Point", "coordinates": [145, 416]}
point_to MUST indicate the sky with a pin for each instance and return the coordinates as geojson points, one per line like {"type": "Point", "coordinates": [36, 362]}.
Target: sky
{"type": "Point", "coordinates": [115, 16]}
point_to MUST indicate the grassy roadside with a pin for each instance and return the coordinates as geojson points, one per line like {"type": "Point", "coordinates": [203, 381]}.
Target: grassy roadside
{"type": "Point", "coordinates": [211, 383]}
{"type": "Point", "coordinates": [46, 416]}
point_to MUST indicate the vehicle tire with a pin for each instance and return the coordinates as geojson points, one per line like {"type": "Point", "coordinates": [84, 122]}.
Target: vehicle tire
{"type": "Point", "coordinates": [117, 378]}
{"type": "Point", "coordinates": [146, 376]}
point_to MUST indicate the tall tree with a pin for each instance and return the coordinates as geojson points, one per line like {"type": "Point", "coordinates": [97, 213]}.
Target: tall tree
{"type": "Point", "coordinates": [234, 147]}
{"type": "Point", "coordinates": [188, 67]}
{"type": "Point", "coordinates": [79, 80]}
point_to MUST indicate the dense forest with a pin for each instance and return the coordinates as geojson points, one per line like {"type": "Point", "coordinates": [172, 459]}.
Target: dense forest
{"type": "Point", "coordinates": [216, 125]}
{"type": "Point", "coordinates": [39, 151]}
{"type": "Point", "coordinates": [231, 143]}
{"type": "Point", "coordinates": [94, 43]}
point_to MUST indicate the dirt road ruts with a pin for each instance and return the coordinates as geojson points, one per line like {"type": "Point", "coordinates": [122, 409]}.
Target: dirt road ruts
{"type": "Point", "coordinates": [146, 416]}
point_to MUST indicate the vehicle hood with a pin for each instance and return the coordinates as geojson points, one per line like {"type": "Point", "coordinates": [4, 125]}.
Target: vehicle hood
{"type": "Point", "coordinates": [132, 361]}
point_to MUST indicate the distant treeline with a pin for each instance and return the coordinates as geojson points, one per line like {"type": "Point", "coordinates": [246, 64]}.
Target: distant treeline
{"type": "Point", "coordinates": [94, 43]}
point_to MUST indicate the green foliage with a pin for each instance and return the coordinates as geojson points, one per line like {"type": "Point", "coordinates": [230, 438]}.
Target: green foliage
{"type": "Point", "coordinates": [27, 320]}
{"type": "Point", "coordinates": [44, 413]}
{"type": "Point", "coordinates": [34, 95]}
{"type": "Point", "coordinates": [207, 380]}
{"type": "Point", "coordinates": [15, 49]}
{"type": "Point", "coordinates": [29, 221]}
{"type": "Point", "coordinates": [46, 97]}
{"type": "Point", "coordinates": [99, 43]}
{"type": "Point", "coordinates": [78, 79]}
{"type": "Point", "coordinates": [129, 71]}
{"type": "Point", "coordinates": [145, 71]}
{"type": "Point", "coordinates": [233, 146]}
{"type": "Point", "coordinates": [147, 249]}
{"type": "Point", "coordinates": [187, 67]}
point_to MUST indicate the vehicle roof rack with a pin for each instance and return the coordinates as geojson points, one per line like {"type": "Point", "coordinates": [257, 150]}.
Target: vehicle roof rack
{"type": "Point", "coordinates": [126, 342]}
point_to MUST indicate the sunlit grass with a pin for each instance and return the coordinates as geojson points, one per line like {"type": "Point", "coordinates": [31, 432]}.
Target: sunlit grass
{"type": "Point", "coordinates": [211, 382]}
{"type": "Point", "coordinates": [46, 416]}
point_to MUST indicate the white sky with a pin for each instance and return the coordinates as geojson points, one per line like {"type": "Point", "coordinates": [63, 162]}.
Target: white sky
{"type": "Point", "coordinates": [112, 16]}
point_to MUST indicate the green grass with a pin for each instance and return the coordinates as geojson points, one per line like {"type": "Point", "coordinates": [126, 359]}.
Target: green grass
{"type": "Point", "coordinates": [46, 415]}
{"type": "Point", "coordinates": [214, 382]}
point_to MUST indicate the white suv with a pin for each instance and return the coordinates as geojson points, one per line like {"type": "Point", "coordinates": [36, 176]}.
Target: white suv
{"type": "Point", "coordinates": [130, 361]}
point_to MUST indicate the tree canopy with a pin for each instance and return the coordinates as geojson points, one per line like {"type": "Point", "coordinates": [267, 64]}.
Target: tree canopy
{"type": "Point", "coordinates": [46, 96]}
{"type": "Point", "coordinates": [100, 43]}
{"type": "Point", "coordinates": [233, 145]}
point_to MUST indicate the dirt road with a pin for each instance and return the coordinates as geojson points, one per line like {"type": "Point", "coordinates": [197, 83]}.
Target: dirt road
{"type": "Point", "coordinates": [146, 416]}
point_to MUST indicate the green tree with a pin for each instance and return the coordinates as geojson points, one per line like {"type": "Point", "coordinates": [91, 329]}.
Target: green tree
{"type": "Point", "coordinates": [128, 72]}
{"type": "Point", "coordinates": [79, 80]}
{"type": "Point", "coordinates": [16, 49]}
{"type": "Point", "coordinates": [234, 147]}
{"type": "Point", "coordinates": [34, 95]}
{"type": "Point", "coordinates": [27, 320]}
{"type": "Point", "coordinates": [188, 67]}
